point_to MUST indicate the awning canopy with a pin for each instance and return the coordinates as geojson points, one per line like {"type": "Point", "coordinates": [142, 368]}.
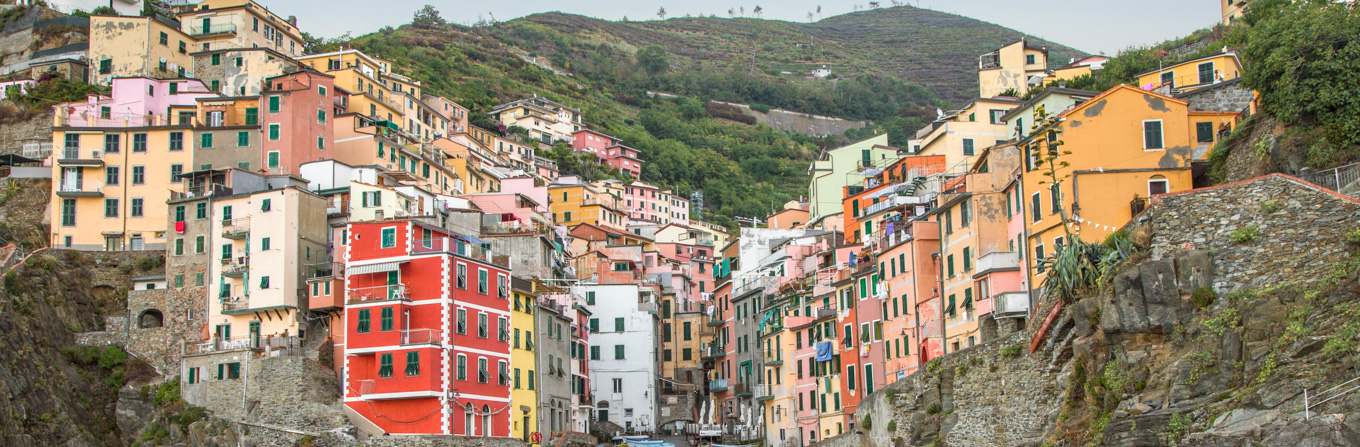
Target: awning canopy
{"type": "Point", "coordinates": [374, 268]}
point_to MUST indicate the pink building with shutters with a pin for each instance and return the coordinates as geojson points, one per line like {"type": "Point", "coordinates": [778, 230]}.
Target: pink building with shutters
{"type": "Point", "coordinates": [297, 122]}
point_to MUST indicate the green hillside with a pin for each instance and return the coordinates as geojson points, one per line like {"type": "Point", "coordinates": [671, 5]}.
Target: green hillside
{"type": "Point", "coordinates": [606, 69]}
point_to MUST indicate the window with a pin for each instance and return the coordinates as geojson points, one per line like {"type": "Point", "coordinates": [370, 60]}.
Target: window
{"type": "Point", "coordinates": [321, 144]}
{"type": "Point", "coordinates": [264, 282]}
{"type": "Point", "coordinates": [389, 237]}
{"type": "Point", "coordinates": [106, 66]}
{"type": "Point", "coordinates": [412, 363]}
{"type": "Point", "coordinates": [1029, 60]}
{"type": "Point", "coordinates": [110, 207]}
{"type": "Point", "coordinates": [201, 210]}
{"type": "Point", "coordinates": [111, 175]}
{"type": "Point", "coordinates": [179, 246]}
{"type": "Point", "coordinates": [1204, 132]}
{"type": "Point", "coordinates": [242, 138]}
{"type": "Point", "coordinates": [321, 116]}
{"type": "Point", "coordinates": [482, 375]}
{"type": "Point", "coordinates": [1054, 198]}
{"type": "Point", "coordinates": [1034, 206]}
{"type": "Point", "coordinates": [363, 327]}
{"type": "Point", "coordinates": [165, 39]}
{"type": "Point", "coordinates": [1158, 186]}
{"type": "Point", "coordinates": [385, 366]}
{"type": "Point", "coordinates": [462, 367]}
{"type": "Point", "coordinates": [273, 156]}
{"type": "Point", "coordinates": [481, 281]}
{"type": "Point", "coordinates": [482, 330]}
{"type": "Point", "coordinates": [273, 104]}
{"type": "Point", "coordinates": [1206, 72]}
{"type": "Point", "coordinates": [200, 244]}
{"type": "Point", "coordinates": [386, 321]}
{"type": "Point", "coordinates": [176, 141]}
{"type": "Point", "coordinates": [951, 266]}
{"type": "Point", "coordinates": [175, 171]}
{"type": "Point", "coordinates": [216, 58]}
{"type": "Point", "coordinates": [1038, 255]}
{"type": "Point", "coordinates": [967, 146]}
{"type": "Point", "coordinates": [273, 132]}
{"type": "Point", "coordinates": [1169, 78]}
{"type": "Point", "coordinates": [618, 325]}
{"type": "Point", "coordinates": [136, 210]}
{"type": "Point", "coordinates": [227, 371]}
{"type": "Point", "coordinates": [205, 141]}
{"type": "Point", "coordinates": [1152, 134]}
{"type": "Point", "coordinates": [138, 175]}
{"type": "Point", "coordinates": [112, 142]}
{"type": "Point", "coordinates": [462, 276]}
{"type": "Point", "coordinates": [502, 326]}
{"type": "Point", "coordinates": [618, 352]}
{"type": "Point", "coordinates": [264, 244]}
{"type": "Point", "coordinates": [462, 321]}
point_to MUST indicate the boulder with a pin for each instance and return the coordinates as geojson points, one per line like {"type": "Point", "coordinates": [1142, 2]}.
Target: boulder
{"type": "Point", "coordinates": [1194, 270]}
{"type": "Point", "coordinates": [1128, 290]}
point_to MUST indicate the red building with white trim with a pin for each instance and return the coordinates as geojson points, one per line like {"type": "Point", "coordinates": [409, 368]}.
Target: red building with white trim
{"type": "Point", "coordinates": [427, 327]}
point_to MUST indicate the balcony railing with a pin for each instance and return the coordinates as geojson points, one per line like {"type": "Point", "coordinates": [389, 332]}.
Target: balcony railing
{"type": "Point", "coordinates": [419, 336]}
{"type": "Point", "coordinates": [236, 228]}
{"type": "Point", "coordinates": [366, 387]}
{"type": "Point", "coordinates": [998, 260]}
{"type": "Point", "coordinates": [1010, 304]}
{"type": "Point", "coordinates": [742, 389]}
{"type": "Point", "coordinates": [766, 283]}
{"type": "Point", "coordinates": [716, 385]}
{"type": "Point", "coordinates": [1137, 206]}
{"type": "Point", "coordinates": [220, 28]}
{"type": "Point", "coordinates": [395, 292]}
{"type": "Point", "coordinates": [461, 248]}
{"type": "Point", "coordinates": [70, 188]}
{"type": "Point", "coordinates": [713, 351]}
{"type": "Point", "coordinates": [763, 391]}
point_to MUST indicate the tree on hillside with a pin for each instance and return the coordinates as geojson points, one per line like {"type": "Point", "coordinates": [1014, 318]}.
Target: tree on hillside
{"type": "Point", "coordinates": [758, 10]}
{"type": "Point", "coordinates": [1300, 57]}
{"type": "Point", "coordinates": [809, 16]}
{"type": "Point", "coordinates": [819, 12]}
{"type": "Point", "coordinates": [873, 5]}
{"type": "Point", "coordinates": [731, 12]}
{"type": "Point", "coordinates": [654, 59]}
{"type": "Point", "coordinates": [661, 13]}
{"type": "Point", "coordinates": [428, 17]}
{"type": "Point", "coordinates": [743, 10]}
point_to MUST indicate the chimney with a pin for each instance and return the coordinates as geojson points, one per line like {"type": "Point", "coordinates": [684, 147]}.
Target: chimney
{"type": "Point", "coordinates": [292, 20]}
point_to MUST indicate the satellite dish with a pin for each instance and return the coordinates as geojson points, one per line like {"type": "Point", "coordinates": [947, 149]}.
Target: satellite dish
{"type": "Point", "coordinates": [939, 114]}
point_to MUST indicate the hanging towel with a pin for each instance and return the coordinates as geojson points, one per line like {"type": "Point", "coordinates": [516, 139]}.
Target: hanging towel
{"type": "Point", "coordinates": [824, 351]}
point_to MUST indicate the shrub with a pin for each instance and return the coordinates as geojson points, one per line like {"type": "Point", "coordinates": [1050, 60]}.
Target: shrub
{"type": "Point", "coordinates": [1176, 428]}
{"type": "Point", "coordinates": [933, 409]}
{"type": "Point", "coordinates": [1203, 297]}
{"type": "Point", "coordinates": [868, 422]}
{"type": "Point", "coordinates": [962, 370]}
{"type": "Point", "coordinates": [1353, 236]}
{"type": "Point", "coordinates": [933, 365]}
{"type": "Point", "coordinates": [112, 356]}
{"type": "Point", "coordinates": [167, 393]}
{"type": "Point", "coordinates": [1243, 234]}
{"type": "Point", "coordinates": [1011, 351]}
{"type": "Point", "coordinates": [1270, 206]}
{"type": "Point", "coordinates": [892, 425]}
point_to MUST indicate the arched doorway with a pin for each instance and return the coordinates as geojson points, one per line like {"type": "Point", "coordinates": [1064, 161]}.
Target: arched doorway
{"type": "Point", "coordinates": [150, 318]}
{"type": "Point", "coordinates": [603, 411]}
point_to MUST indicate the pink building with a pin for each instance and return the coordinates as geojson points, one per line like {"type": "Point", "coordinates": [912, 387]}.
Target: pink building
{"type": "Point", "coordinates": [646, 203]}
{"type": "Point", "coordinates": [528, 187]}
{"type": "Point", "coordinates": [137, 102]}
{"type": "Point", "coordinates": [625, 159]}
{"type": "Point", "coordinates": [297, 123]}
{"type": "Point", "coordinates": [586, 140]}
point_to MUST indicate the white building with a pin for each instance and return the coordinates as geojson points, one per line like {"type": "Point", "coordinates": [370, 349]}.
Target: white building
{"type": "Point", "coordinates": [623, 354]}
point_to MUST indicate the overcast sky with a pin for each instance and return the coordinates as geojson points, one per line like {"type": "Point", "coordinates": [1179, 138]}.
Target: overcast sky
{"type": "Point", "coordinates": [1088, 25]}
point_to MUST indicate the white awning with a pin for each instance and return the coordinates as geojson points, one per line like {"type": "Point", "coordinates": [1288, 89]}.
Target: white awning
{"type": "Point", "coordinates": [374, 268]}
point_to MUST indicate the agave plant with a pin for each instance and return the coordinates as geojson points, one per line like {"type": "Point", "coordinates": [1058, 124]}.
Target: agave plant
{"type": "Point", "coordinates": [1072, 269]}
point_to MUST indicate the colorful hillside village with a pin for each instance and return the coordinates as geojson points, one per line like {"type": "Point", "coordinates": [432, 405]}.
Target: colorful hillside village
{"type": "Point", "coordinates": [457, 284]}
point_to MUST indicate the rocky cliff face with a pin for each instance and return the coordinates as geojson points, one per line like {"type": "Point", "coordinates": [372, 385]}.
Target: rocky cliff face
{"type": "Point", "coordinates": [1245, 296]}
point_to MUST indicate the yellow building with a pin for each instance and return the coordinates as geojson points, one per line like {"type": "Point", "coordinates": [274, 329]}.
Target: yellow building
{"type": "Point", "coordinates": [1232, 10]}
{"type": "Point", "coordinates": [117, 161]}
{"type": "Point", "coordinates": [361, 76]}
{"type": "Point", "coordinates": [1013, 66]}
{"type": "Point", "coordinates": [220, 24]}
{"type": "Point", "coordinates": [547, 121]}
{"type": "Point", "coordinates": [1078, 67]}
{"type": "Point", "coordinates": [573, 204]}
{"type": "Point", "coordinates": [138, 46]}
{"type": "Point", "coordinates": [1126, 145]}
{"type": "Point", "coordinates": [263, 245]}
{"type": "Point", "coordinates": [961, 135]}
{"type": "Point", "coordinates": [1193, 74]}
{"type": "Point", "coordinates": [523, 393]}
{"type": "Point", "coordinates": [360, 141]}
{"type": "Point", "coordinates": [240, 71]}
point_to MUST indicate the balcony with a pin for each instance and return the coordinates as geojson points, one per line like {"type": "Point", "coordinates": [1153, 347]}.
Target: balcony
{"type": "Point", "coordinates": [328, 296]}
{"type": "Point", "coordinates": [712, 351]}
{"type": "Point", "coordinates": [399, 385]}
{"type": "Point", "coordinates": [69, 188]}
{"type": "Point", "coordinates": [895, 201]}
{"type": "Point", "coordinates": [1010, 304]}
{"type": "Point", "coordinates": [76, 157]}
{"type": "Point", "coordinates": [773, 360]}
{"type": "Point", "coordinates": [221, 28]}
{"type": "Point", "coordinates": [647, 307]}
{"type": "Point", "coordinates": [742, 390]}
{"type": "Point", "coordinates": [763, 283]}
{"type": "Point", "coordinates": [714, 322]}
{"type": "Point", "coordinates": [989, 61]}
{"type": "Point", "coordinates": [459, 247]}
{"type": "Point", "coordinates": [236, 228]}
{"type": "Point", "coordinates": [997, 261]}
{"type": "Point", "coordinates": [717, 385]}
{"type": "Point", "coordinates": [395, 292]}
{"type": "Point", "coordinates": [763, 392]}
{"type": "Point", "coordinates": [235, 267]}
{"type": "Point", "coordinates": [419, 337]}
